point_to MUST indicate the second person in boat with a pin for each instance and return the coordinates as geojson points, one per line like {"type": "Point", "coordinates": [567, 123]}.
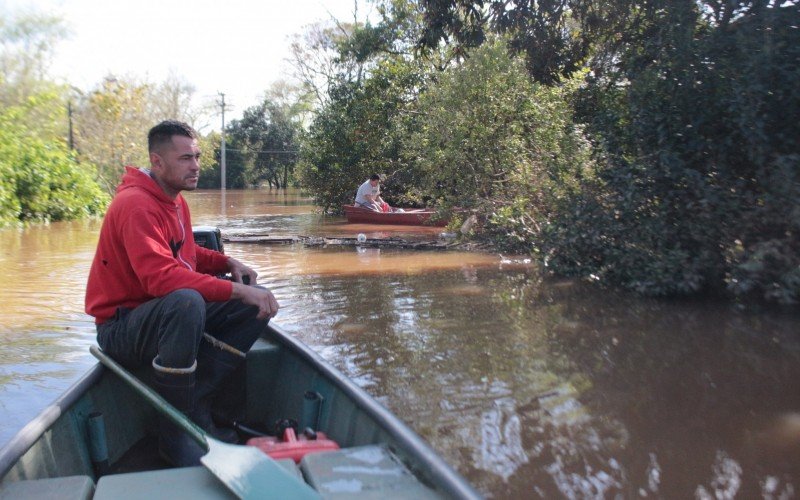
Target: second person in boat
{"type": "Point", "coordinates": [369, 195]}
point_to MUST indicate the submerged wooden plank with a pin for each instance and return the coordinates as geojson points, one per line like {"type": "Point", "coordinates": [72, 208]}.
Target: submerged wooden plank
{"type": "Point", "coordinates": [264, 240]}
{"type": "Point", "coordinates": [323, 241]}
{"type": "Point", "coordinates": [379, 243]}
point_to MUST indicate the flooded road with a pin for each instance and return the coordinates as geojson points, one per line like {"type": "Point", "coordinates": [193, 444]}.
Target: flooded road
{"type": "Point", "coordinates": [530, 386]}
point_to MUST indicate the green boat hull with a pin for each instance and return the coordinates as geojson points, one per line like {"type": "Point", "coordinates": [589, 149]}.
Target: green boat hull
{"type": "Point", "coordinates": [282, 379]}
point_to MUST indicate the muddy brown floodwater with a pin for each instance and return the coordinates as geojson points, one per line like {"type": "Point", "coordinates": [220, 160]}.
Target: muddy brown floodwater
{"type": "Point", "coordinates": [530, 386]}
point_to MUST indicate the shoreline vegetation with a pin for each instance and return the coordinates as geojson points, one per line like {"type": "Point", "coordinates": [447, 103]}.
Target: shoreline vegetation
{"type": "Point", "coordinates": [653, 147]}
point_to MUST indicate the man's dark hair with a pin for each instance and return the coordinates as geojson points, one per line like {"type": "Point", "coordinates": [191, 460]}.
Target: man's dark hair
{"type": "Point", "coordinates": [162, 133]}
{"type": "Point", "coordinates": [374, 177]}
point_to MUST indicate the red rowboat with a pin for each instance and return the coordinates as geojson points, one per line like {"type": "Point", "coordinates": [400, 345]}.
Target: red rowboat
{"type": "Point", "coordinates": [408, 217]}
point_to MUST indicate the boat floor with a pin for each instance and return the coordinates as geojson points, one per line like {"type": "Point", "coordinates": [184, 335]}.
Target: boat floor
{"type": "Point", "coordinates": [141, 456]}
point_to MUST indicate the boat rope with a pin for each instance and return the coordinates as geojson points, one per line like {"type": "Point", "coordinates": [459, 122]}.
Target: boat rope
{"type": "Point", "coordinates": [223, 346]}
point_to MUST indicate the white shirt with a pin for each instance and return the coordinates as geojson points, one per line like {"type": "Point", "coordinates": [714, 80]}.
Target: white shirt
{"type": "Point", "coordinates": [367, 189]}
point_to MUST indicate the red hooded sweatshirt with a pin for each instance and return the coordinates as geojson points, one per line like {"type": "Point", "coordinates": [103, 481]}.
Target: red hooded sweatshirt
{"type": "Point", "coordinates": [147, 250]}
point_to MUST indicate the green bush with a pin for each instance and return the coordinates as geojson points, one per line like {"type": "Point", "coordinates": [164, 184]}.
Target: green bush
{"type": "Point", "coordinates": [671, 167]}
{"type": "Point", "coordinates": [9, 203]}
{"type": "Point", "coordinates": [699, 140]}
{"type": "Point", "coordinates": [42, 181]}
{"type": "Point", "coordinates": [359, 132]}
{"type": "Point", "coordinates": [489, 140]}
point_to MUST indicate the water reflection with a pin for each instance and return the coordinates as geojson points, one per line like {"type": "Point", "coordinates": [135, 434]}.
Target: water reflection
{"type": "Point", "coordinates": [501, 450]}
{"type": "Point", "coordinates": [530, 386]}
{"type": "Point", "coordinates": [664, 395]}
{"type": "Point", "coordinates": [44, 334]}
{"type": "Point", "coordinates": [553, 389]}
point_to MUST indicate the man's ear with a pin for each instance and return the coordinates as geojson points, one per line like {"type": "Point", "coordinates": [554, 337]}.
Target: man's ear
{"type": "Point", "coordinates": [155, 161]}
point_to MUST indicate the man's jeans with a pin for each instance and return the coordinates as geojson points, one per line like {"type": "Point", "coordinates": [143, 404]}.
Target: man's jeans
{"type": "Point", "coordinates": [172, 327]}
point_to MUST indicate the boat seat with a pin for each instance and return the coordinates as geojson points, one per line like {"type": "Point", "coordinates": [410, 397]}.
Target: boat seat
{"type": "Point", "coordinates": [197, 483]}
{"type": "Point", "coordinates": [56, 488]}
{"type": "Point", "coordinates": [363, 472]}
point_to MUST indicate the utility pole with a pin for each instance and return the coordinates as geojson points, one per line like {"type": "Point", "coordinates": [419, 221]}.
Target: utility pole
{"type": "Point", "coordinates": [71, 137]}
{"type": "Point", "coordinates": [222, 146]}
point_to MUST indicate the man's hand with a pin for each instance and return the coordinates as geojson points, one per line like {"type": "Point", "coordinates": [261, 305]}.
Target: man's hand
{"type": "Point", "coordinates": [256, 296]}
{"type": "Point", "coordinates": [237, 270]}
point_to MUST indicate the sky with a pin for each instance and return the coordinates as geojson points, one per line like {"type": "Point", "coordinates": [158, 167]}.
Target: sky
{"type": "Point", "coordinates": [236, 47]}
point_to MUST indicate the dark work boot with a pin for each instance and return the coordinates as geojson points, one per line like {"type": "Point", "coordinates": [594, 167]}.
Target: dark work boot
{"type": "Point", "coordinates": [177, 386]}
{"type": "Point", "coordinates": [202, 417]}
{"type": "Point", "coordinates": [216, 361]}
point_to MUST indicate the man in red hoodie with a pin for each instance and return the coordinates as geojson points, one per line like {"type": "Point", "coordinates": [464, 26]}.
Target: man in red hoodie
{"type": "Point", "coordinates": [156, 299]}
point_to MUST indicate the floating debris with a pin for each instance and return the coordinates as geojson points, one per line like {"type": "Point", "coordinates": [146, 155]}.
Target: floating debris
{"type": "Point", "coordinates": [351, 328]}
{"type": "Point", "coordinates": [466, 290]}
{"type": "Point", "coordinates": [264, 240]}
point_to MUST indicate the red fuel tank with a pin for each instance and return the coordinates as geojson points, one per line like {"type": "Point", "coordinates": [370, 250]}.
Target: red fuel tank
{"type": "Point", "coordinates": [292, 446]}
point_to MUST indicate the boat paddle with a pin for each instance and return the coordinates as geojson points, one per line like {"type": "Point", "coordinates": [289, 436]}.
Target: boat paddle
{"type": "Point", "coordinates": [245, 470]}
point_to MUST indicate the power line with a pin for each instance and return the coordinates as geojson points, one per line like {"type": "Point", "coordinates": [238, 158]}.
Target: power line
{"type": "Point", "coordinates": [271, 151]}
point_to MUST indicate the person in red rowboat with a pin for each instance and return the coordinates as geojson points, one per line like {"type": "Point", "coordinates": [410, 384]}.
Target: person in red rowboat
{"type": "Point", "coordinates": [369, 195]}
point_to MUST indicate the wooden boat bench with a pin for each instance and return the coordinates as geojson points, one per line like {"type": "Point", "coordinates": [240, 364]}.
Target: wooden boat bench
{"type": "Point", "coordinates": [60, 488]}
{"type": "Point", "coordinates": [365, 472]}
{"type": "Point", "coordinates": [196, 483]}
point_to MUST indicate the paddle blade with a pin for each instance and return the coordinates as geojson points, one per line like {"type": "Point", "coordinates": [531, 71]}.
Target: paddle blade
{"type": "Point", "coordinates": [250, 474]}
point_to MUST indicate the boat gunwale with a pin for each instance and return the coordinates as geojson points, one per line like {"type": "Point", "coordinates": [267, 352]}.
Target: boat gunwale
{"type": "Point", "coordinates": [407, 211]}
{"type": "Point", "coordinates": [17, 446]}
{"type": "Point", "coordinates": [411, 217]}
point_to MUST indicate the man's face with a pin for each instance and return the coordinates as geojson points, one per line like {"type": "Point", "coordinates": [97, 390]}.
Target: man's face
{"type": "Point", "coordinates": [374, 182]}
{"type": "Point", "coordinates": [177, 167]}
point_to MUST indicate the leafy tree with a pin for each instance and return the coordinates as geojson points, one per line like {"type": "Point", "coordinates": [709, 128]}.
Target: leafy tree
{"type": "Point", "coordinates": [491, 140]}
{"type": "Point", "coordinates": [27, 41]}
{"type": "Point", "coordinates": [359, 132]}
{"type": "Point", "coordinates": [544, 31]}
{"type": "Point", "coordinates": [700, 188]}
{"type": "Point", "coordinates": [263, 146]}
{"type": "Point", "coordinates": [315, 55]}
{"type": "Point", "coordinates": [41, 180]}
{"type": "Point", "coordinates": [294, 101]}
{"type": "Point", "coordinates": [9, 203]}
{"type": "Point", "coordinates": [686, 104]}
{"type": "Point", "coordinates": [210, 161]}
{"type": "Point", "coordinates": [173, 99]}
{"type": "Point", "coordinates": [361, 127]}
{"type": "Point", "coordinates": [111, 122]}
